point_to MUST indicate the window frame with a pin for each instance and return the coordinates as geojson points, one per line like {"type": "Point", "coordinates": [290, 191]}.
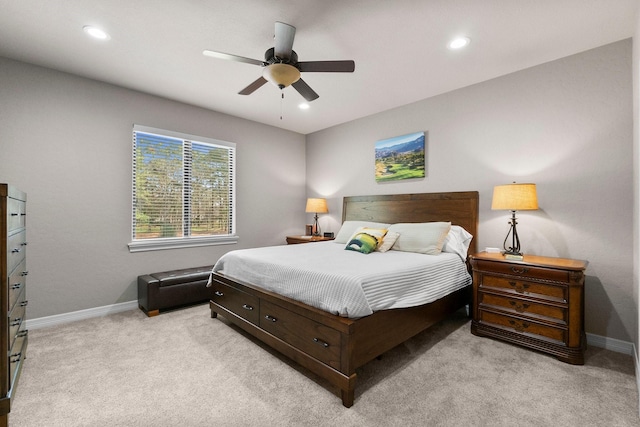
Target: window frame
{"type": "Point", "coordinates": [141, 245]}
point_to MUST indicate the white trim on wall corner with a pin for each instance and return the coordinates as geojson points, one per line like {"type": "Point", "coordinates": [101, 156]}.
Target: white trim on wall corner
{"type": "Point", "coordinates": [59, 319]}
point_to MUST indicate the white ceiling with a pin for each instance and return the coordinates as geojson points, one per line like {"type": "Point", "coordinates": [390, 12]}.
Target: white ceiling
{"type": "Point", "coordinates": [399, 47]}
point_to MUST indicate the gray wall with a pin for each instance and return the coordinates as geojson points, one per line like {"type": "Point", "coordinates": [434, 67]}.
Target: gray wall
{"type": "Point", "coordinates": [566, 125]}
{"type": "Point", "coordinates": [66, 141]}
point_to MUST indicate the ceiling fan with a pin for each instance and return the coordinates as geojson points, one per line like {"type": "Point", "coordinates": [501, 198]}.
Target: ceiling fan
{"type": "Point", "coordinates": [281, 66]}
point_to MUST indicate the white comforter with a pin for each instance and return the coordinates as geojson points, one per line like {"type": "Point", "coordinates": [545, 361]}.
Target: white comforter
{"type": "Point", "coordinates": [348, 283]}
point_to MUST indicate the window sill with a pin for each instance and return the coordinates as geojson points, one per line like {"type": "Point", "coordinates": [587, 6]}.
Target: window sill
{"type": "Point", "coordinates": [180, 242]}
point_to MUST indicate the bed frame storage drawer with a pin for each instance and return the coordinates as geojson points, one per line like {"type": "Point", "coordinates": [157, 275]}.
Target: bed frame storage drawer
{"type": "Point", "coordinates": [312, 337]}
{"type": "Point", "coordinates": [238, 302]}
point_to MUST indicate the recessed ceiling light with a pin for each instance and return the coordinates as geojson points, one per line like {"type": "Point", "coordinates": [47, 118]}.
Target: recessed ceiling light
{"type": "Point", "coordinates": [95, 32]}
{"type": "Point", "coordinates": [459, 42]}
{"type": "Point", "coordinates": [303, 106]}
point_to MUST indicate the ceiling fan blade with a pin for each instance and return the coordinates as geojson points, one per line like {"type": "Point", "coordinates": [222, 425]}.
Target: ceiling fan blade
{"type": "Point", "coordinates": [236, 58]}
{"type": "Point", "coordinates": [284, 40]}
{"type": "Point", "coordinates": [253, 86]}
{"type": "Point", "coordinates": [327, 66]}
{"type": "Point", "coordinates": [304, 90]}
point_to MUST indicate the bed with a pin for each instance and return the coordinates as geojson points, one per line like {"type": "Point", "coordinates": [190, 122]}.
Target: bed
{"type": "Point", "coordinates": [333, 345]}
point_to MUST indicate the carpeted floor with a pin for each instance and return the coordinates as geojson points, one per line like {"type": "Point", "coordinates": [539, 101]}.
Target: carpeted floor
{"type": "Point", "coordinates": [183, 368]}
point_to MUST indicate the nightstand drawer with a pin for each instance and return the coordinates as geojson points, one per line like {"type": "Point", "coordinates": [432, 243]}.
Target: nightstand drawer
{"type": "Point", "coordinates": [524, 307]}
{"type": "Point", "coordinates": [523, 326]}
{"type": "Point", "coordinates": [525, 287]}
{"type": "Point", "coordinates": [523, 271]}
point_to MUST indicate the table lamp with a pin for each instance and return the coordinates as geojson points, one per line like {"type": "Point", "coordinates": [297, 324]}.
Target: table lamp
{"type": "Point", "coordinates": [514, 197]}
{"type": "Point", "coordinates": [316, 206]}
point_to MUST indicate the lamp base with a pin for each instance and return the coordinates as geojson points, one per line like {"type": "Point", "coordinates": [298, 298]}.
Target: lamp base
{"type": "Point", "coordinates": [316, 227]}
{"type": "Point", "coordinates": [513, 257]}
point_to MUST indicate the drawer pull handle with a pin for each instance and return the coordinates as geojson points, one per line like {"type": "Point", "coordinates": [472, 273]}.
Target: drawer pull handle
{"type": "Point", "coordinates": [22, 333]}
{"type": "Point", "coordinates": [322, 343]}
{"type": "Point", "coordinates": [16, 286]}
{"type": "Point", "coordinates": [14, 214]}
{"type": "Point", "coordinates": [218, 294]}
{"type": "Point", "coordinates": [519, 327]}
{"type": "Point", "coordinates": [520, 270]}
{"type": "Point", "coordinates": [23, 244]}
{"type": "Point", "coordinates": [247, 307]}
{"type": "Point", "coordinates": [24, 303]}
{"type": "Point", "coordinates": [24, 273]}
{"type": "Point", "coordinates": [16, 321]}
{"type": "Point", "coordinates": [15, 358]}
{"type": "Point", "coordinates": [271, 318]}
{"type": "Point", "coordinates": [519, 287]}
{"type": "Point", "coordinates": [519, 307]}
{"type": "Point", "coordinates": [15, 250]}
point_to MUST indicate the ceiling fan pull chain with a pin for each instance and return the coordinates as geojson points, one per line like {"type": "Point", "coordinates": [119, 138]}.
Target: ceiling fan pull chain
{"type": "Point", "coordinates": [281, 103]}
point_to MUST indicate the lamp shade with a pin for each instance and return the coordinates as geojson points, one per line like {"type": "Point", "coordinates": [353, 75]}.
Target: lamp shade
{"type": "Point", "coordinates": [317, 206]}
{"type": "Point", "coordinates": [281, 75]}
{"type": "Point", "coordinates": [515, 197]}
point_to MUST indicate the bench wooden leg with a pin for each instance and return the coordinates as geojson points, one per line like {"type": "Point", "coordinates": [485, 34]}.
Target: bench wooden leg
{"type": "Point", "coordinates": [149, 313]}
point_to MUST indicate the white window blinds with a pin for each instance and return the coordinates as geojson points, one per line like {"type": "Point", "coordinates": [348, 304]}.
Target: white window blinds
{"type": "Point", "coordinates": [183, 189]}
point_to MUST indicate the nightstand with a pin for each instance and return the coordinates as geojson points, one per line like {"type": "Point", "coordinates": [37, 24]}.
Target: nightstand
{"type": "Point", "coordinates": [536, 302]}
{"type": "Point", "coordinates": [292, 240]}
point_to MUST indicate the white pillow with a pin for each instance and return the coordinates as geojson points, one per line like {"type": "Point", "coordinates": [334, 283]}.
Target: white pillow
{"type": "Point", "coordinates": [422, 238]}
{"type": "Point", "coordinates": [349, 228]}
{"type": "Point", "coordinates": [388, 240]}
{"type": "Point", "coordinates": [457, 241]}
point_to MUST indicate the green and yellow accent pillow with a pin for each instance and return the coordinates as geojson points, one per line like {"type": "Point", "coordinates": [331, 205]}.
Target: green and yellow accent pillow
{"type": "Point", "coordinates": [365, 240]}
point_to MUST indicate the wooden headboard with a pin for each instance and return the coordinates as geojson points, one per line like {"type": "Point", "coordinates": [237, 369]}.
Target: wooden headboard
{"type": "Point", "coordinates": [461, 208]}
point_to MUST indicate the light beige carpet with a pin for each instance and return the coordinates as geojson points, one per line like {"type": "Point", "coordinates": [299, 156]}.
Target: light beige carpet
{"type": "Point", "coordinates": [183, 368]}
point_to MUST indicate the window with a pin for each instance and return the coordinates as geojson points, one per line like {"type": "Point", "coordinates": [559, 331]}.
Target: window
{"type": "Point", "coordinates": [183, 190]}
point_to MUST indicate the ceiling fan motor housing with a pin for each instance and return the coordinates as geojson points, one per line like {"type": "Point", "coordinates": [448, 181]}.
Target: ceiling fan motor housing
{"type": "Point", "coordinates": [270, 58]}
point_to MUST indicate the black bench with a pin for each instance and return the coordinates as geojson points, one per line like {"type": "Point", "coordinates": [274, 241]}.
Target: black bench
{"type": "Point", "coordinates": [171, 289]}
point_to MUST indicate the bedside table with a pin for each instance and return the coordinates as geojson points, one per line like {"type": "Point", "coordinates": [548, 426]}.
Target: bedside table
{"type": "Point", "coordinates": [292, 240]}
{"type": "Point", "coordinates": [536, 302]}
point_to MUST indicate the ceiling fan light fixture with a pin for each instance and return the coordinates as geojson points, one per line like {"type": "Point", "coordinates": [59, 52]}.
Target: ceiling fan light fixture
{"type": "Point", "coordinates": [281, 75]}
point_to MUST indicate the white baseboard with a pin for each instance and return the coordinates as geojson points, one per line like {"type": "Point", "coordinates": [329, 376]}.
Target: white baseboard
{"type": "Point", "coordinates": [59, 319]}
{"type": "Point", "coordinates": [612, 344]}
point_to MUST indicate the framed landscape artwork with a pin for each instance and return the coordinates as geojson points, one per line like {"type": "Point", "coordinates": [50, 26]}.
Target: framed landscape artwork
{"type": "Point", "coordinates": [401, 157]}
